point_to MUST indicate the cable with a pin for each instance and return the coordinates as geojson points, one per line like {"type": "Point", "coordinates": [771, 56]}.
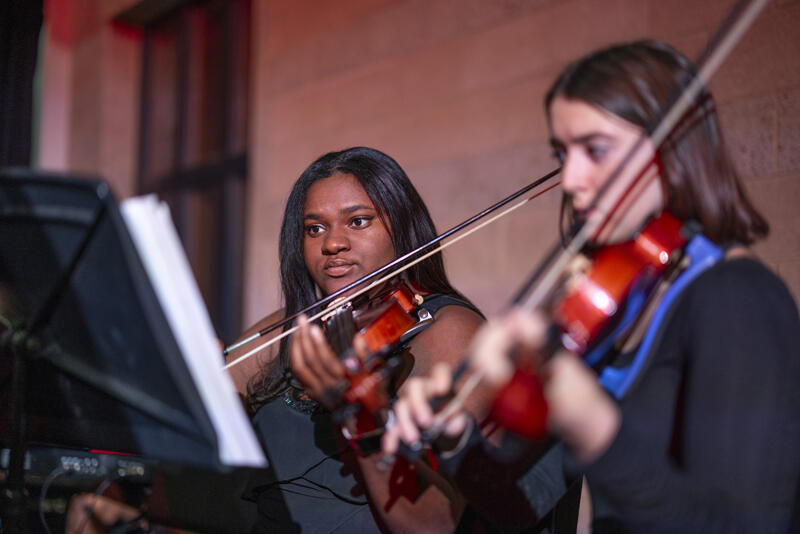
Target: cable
{"type": "Point", "coordinates": [55, 473]}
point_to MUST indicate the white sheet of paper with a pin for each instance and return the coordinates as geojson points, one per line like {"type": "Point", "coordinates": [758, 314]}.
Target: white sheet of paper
{"type": "Point", "coordinates": [149, 223]}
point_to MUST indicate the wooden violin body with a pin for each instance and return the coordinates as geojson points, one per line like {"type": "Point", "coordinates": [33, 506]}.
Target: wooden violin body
{"type": "Point", "coordinates": [382, 322]}
{"type": "Point", "coordinates": [586, 308]}
{"type": "Point", "coordinates": [594, 297]}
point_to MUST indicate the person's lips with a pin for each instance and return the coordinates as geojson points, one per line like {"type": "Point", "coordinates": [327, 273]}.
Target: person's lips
{"type": "Point", "coordinates": [580, 203]}
{"type": "Point", "coordinates": [338, 268]}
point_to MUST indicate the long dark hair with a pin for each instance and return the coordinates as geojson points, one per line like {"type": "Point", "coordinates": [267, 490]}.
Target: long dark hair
{"type": "Point", "coordinates": [636, 81]}
{"type": "Point", "coordinates": [400, 208]}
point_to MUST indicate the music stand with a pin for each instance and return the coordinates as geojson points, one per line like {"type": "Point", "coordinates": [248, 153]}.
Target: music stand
{"type": "Point", "coordinates": [87, 360]}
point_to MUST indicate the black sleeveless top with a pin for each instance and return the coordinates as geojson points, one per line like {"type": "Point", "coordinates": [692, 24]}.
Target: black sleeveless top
{"type": "Point", "coordinates": [314, 488]}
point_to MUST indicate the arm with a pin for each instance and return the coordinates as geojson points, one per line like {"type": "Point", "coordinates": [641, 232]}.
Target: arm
{"type": "Point", "coordinates": [405, 498]}
{"type": "Point", "coordinates": [514, 485]}
{"type": "Point", "coordinates": [433, 504]}
{"type": "Point", "coordinates": [96, 514]}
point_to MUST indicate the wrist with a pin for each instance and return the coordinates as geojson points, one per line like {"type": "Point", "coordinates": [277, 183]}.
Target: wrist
{"type": "Point", "coordinates": [367, 442]}
{"type": "Point", "coordinates": [596, 432]}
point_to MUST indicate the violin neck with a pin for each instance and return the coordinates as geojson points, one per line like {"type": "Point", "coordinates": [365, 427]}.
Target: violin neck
{"type": "Point", "coordinates": [340, 328]}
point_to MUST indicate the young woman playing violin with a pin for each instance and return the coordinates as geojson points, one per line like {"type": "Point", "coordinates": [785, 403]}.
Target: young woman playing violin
{"type": "Point", "coordinates": [348, 214]}
{"type": "Point", "coordinates": [705, 436]}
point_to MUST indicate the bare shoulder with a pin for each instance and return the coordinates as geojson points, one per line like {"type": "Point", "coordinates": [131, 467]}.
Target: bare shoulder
{"type": "Point", "coordinates": [447, 339]}
{"type": "Point", "coordinates": [456, 320]}
{"type": "Point", "coordinates": [272, 318]}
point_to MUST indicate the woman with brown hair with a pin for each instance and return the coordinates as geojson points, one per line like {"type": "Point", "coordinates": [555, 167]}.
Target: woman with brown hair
{"type": "Point", "coordinates": [695, 426]}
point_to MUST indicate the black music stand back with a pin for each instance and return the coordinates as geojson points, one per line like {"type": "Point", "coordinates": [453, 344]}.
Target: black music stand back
{"type": "Point", "coordinates": [102, 368]}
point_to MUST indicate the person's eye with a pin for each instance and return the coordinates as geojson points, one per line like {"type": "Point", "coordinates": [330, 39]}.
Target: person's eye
{"type": "Point", "coordinates": [559, 154]}
{"type": "Point", "coordinates": [314, 229]}
{"type": "Point", "coordinates": [596, 152]}
{"type": "Point", "coordinates": [360, 222]}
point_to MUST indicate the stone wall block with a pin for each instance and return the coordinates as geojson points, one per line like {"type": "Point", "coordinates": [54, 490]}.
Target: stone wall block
{"type": "Point", "coordinates": [788, 112]}
{"type": "Point", "coordinates": [750, 130]}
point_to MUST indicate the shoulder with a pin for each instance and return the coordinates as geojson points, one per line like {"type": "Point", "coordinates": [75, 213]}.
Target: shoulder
{"type": "Point", "coordinates": [244, 370]}
{"type": "Point", "coordinates": [447, 338]}
{"type": "Point", "coordinates": [741, 286]}
{"type": "Point", "coordinates": [453, 321]}
{"type": "Point", "coordinates": [739, 307]}
{"type": "Point", "coordinates": [270, 319]}
{"type": "Point", "coordinates": [455, 316]}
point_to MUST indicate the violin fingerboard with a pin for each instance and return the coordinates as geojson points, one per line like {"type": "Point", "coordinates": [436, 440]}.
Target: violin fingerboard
{"type": "Point", "coordinates": [340, 328]}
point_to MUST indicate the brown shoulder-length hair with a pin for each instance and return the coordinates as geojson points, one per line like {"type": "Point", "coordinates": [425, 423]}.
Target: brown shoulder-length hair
{"type": "Point", "coordinates": [635, 81]}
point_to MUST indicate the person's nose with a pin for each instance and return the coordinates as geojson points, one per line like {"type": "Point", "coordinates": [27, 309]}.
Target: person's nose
{"type": "Point", "coordinates": [575, 172]}
{"type": "Point", "coordinates": [336, 241]}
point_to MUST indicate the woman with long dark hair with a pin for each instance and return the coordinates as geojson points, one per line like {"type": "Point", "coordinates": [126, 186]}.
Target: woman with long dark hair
{"type": "Point", "coordinates": [349, 213]}
{"type": "Point", "coordinates": [695, 426]}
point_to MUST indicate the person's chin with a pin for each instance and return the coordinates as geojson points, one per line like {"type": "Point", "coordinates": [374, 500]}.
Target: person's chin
{"type": "Point", "coordinates": [335, 283]}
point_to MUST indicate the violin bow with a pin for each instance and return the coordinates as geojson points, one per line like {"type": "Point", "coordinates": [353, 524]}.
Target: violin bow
{"type": "Point", "coordinates": [393, 268]}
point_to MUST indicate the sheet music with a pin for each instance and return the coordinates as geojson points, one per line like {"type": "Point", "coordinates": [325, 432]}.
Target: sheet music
{"type": "Point", "coordinates": [157, 242]}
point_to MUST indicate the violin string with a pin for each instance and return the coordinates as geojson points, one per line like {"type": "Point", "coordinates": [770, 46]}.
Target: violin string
{"type": "Point", "coordinates": [392, 274]}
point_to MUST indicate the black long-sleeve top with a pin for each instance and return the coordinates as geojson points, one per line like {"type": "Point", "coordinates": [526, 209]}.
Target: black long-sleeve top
{"type": "Point", "coordinates": [710, 435]}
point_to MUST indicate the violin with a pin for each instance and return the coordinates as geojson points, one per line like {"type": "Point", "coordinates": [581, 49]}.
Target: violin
{"type": "Point", "coordinates": [384, 321]}
{"type": "Point", "coordinates": [590, 302]}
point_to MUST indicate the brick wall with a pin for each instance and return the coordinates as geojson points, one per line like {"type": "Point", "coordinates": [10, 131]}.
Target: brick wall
{"type": "Point", "coordinates": [90, 92]}
{"type": "Point", "coordinates": [453, 91]}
